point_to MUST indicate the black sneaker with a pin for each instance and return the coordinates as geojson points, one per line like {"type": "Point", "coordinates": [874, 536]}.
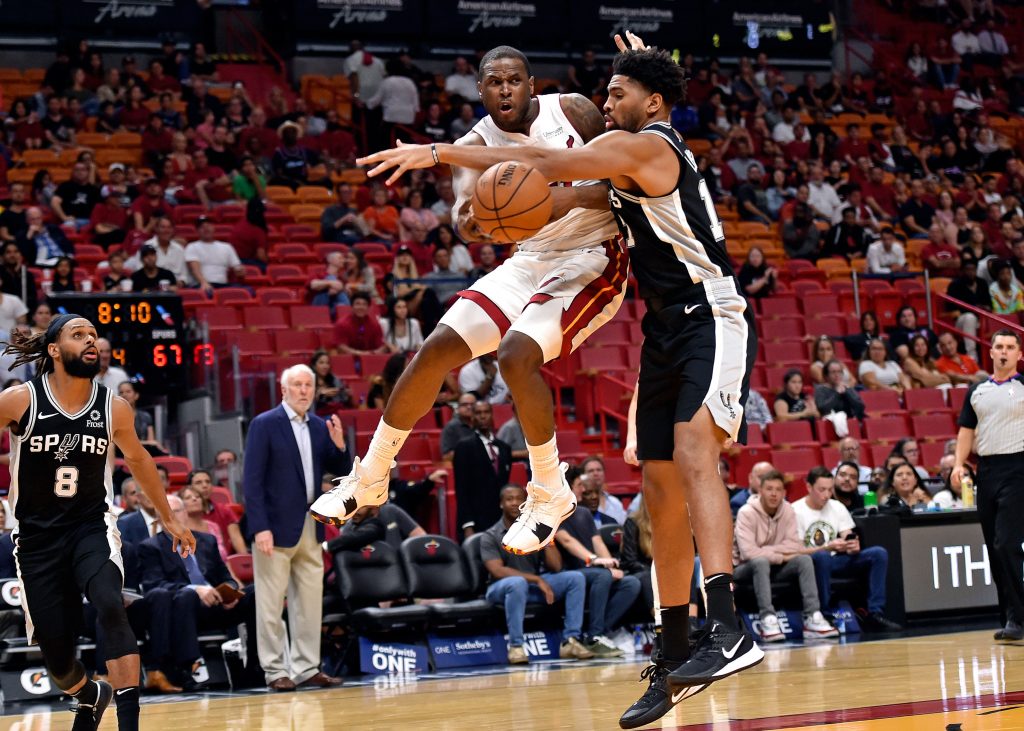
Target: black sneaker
{"type": "Point", "coordinates": [87, 718]}
{"type": "Point", "coordinates": [878, 622]}
{"type": "Point", "coordinates": [657, 700]}
{"type": "Point", "coordinates": [1012, 631]}
{"type": "Point", "coordinates": [719, 653]}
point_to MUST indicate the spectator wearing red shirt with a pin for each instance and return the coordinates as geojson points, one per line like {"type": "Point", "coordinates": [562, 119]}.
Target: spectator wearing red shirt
{"type": "Point", "coordinates": [993, 227]}
{"type": "Point", "coordinates": [249, 235]}
{"type": "Point", "coordinates": [207, 183]}
{"type": "Point", "coordinates": [853, 146]}
{"type": "Point", "coordinates": [157, 141]}
{"type": "Point", "coordinates": [258, 128]}
{"type": "Point", "coordinates": [160, 82]}
{"type": "Point", "coordinates": [135, 115]}
{"type": "Point", "coordinates": [879, 196]}
{"type": "Point", "coordinates": [381, 217]}
{"type": "Point", "coordinates": [109, 221]}
{"type": "Point", "coordinates": [800, 148]}
{"type": "Point", "coordinates": [360, 332]}
{"type": "Point", "coordinates": [961, 369]}
{"type": "Point", "coordinates": [941, 258]}
{"type": "Point", "coordinates": [149, 206]}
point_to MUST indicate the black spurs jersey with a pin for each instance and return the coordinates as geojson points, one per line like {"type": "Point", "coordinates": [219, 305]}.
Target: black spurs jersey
{"type": "Point", "coordinates": [676, 241]}
{"type": "Point", "coordinates": [60, 475]}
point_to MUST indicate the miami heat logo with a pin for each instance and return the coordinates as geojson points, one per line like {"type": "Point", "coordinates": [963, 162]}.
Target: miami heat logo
{"type": "Point", "coordinates": [367, 551]}
{"type": "Point", "coordinates": [431, 547]}
{"type": "Point", "coordinates": [69, 442]}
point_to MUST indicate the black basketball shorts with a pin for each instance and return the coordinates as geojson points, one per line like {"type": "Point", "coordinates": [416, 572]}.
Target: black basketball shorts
{"type": "Point", "coordinates": [697, 351]}
{"type": "Point", "coordinates": [54, 568]}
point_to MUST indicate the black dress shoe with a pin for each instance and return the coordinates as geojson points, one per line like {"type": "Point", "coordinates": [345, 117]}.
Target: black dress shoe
{"type": "Point", "coordinates": [878, 622]}
{"type": "Point", "coordinates": [281, 685]}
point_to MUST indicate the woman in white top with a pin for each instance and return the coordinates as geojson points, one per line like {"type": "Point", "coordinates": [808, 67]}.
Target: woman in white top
{"type": "Point", "coordinates": [878, 373]}
{"type": "Point", "coordinates": [917, 62]}
{"type": "Point", "coordinates": [402, 334]}
{"type": "Point", "coordinates": [824, 351]}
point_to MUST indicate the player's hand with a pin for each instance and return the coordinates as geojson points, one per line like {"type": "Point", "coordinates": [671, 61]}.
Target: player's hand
{"type": "Point", "coordinates": [636, 43]}
{"type": "Point", "coordinates": [182, 540]}
{"type": "Point", "coordinates": [403, 158]}
{"type": "Point", "coordinates": [336, 430]}
{"type": "Point", "coordinates": [629, 455]}
{"type": "Point", "coordinates": [264, 541]}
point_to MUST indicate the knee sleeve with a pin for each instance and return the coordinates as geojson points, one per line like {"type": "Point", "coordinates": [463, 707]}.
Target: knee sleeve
{"type": "Point", "coordinates": [104, 593]}
{"type": "Point", "coordinates": [59, 655]}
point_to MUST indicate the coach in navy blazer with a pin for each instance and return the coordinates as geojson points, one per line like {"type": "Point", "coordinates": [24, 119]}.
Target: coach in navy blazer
{"type": "Point", "coordinates": [286, 454]}
{"type": "Point", "coordinates": [275, 492]}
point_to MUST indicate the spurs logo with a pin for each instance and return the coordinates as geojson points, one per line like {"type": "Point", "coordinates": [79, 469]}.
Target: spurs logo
{"type": "Point", "coordinates": [69, 442]}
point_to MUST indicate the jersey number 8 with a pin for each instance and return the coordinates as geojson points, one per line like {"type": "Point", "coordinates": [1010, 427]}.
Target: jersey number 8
{"type": "Point", "coordinates": [66, 484]}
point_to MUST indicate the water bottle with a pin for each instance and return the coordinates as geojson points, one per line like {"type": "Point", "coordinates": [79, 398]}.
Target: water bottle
{"type": "Point", "coordinates": [967, 492]}
{"type": "Point", "coordinates": [871, 499]}
{"type": "Point", "coordinates": [638, 639]}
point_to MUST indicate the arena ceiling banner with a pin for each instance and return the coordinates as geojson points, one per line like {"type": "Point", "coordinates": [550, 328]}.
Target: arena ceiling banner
{"type": "Point", "coordinates": [344, 20]}
{"type": "Point", "coordinates": [485, 23]}
{"type": "Point", "coordinates": [128, 17]}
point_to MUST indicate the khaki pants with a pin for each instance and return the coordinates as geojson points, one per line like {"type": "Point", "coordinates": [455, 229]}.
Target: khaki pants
{"type": "Point", "coordinates": [298, 573]}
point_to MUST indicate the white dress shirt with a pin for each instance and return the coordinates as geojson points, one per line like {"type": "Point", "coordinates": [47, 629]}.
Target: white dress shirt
{"type": "Point", "coordinates": [300, 427]}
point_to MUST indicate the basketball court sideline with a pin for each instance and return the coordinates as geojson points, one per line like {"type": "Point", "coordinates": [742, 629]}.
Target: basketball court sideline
{"type": "Point", "coordinates": [929, 683]}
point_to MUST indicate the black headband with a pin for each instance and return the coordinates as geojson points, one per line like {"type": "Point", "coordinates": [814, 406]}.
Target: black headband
{"type": "Point", "coordinates": [56, 325]}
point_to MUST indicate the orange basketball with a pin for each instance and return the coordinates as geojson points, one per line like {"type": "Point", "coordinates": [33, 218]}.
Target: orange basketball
{"type": "Point", "coordinates": [512, 202]}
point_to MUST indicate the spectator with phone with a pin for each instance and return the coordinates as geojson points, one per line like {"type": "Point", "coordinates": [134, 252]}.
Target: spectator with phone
{"type": "Point", "coordinates": [830, 536]}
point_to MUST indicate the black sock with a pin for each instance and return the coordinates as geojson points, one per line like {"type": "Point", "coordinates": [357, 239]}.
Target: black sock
{"type": "Point", "coordinates": [88, 694]}
{"type": "Point", "coordinates": [127, 708]}
{"type": "Point", "coordinates": [675, 633]}
{"type": "Point", "coordinates": [718, 593]}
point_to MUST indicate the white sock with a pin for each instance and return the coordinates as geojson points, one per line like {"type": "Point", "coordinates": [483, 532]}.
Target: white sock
{"type": "Point", "coordinates": [544, 465]}
{"type": "Point", "coordinates": [386, 443]}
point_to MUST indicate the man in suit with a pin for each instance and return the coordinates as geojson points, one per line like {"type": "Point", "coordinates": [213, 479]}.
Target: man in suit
{"type": "Point", "coordinates": [195, 603]}
{"type": "Point", "coordinates": [287, 452]}
{"type": "Point", "coordinates": [481, 464]}
{"type": "Point", "coordinates": [137, 526]}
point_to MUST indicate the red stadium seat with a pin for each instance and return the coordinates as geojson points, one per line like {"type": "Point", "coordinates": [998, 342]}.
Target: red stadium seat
{"type": "Point", "coordinates": [934, 427]}
{"type": "Point", "coordinates": [779, 306]}
{"type": "Point", "coordinates": [258, 317]}
{"type": "Point", "coordinates": [931, 454]}
{"type": "Point", "coordinates": [287, 275]}
{"type": "Point", "coordinates": [602, 360]}
{"type": "Point", "coordinates": [251, 342]}
{"type": "Point", "coordinates": [790, 434]}
{"type": "Point", "coordinates": [371, 365]}
{"type": "Point", "coordinates": [881, 402]}
{"type": "Point", "coordinates": [925, 400]}
{"type": "Point", "coordinates": [295, 341]}
{"type": "Point", "coordinates": [782, 329]}
{"type": "Point", "coordinates": [785, 352]}
{"type": "Point", "coordinates": [177, 467]}
{"type": "Point", "coordinates": [957, 396]}
{"type": "Point", "coordinates": [816, 304]}
{"type": "Point", "coordinates": [232, 296]}
{"type": "Point", "coordinates": [796, 462]}
{"type": "Point", "coordinates": [310, 317]}
{"type": "Point", "coordinates": [886, 428]}
{"type": "Point", "coordinates": [221, 495]}
{"type": "Point", "coordinates": [277, 296]}
{"type": "Point", "coordinates": [240, 565]}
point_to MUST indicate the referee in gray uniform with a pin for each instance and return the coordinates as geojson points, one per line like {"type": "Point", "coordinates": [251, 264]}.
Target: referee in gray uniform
{"type": "Point", "coordinates": [992, 421]}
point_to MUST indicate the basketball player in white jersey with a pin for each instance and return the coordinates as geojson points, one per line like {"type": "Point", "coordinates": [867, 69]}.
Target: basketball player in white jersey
{"type": "Point", "coordinates": [699, 347]}
{"type": "Point", "coordinates": [559, 286]}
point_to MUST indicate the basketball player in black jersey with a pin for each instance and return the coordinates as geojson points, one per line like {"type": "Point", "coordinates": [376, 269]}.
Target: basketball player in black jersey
{"type": "Point", "coordinates": [63, 427]}
{"type": "Point", "coordinates": [698, 350]}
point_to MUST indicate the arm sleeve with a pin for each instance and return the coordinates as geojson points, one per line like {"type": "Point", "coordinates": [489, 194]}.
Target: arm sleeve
{"type": "Point", "coordinates": [968, 417]}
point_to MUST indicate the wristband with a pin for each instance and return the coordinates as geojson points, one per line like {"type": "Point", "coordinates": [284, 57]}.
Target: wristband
{"type": "Point", "coordinates": [433, 153]}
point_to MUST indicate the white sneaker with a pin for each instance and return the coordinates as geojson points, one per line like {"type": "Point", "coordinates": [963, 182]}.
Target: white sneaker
{"type": "Point", "coordinates": [539, 517]}
{"type": "Point", "coordinates": [817, 626]}
{"type": "Point", "coordinates": [771, 630]}
{"type": "Point", "coordinates": [349, 494]}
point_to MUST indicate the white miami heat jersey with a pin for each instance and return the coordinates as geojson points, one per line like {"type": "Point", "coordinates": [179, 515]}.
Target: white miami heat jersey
{"type": "Point", "coordinates": [581, 227]}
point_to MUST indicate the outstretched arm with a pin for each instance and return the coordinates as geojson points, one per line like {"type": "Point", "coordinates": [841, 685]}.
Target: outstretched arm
{"type": "Point", "coordinates": [143, 469]}
{"type": "Point", "coordinates": [615, 154]}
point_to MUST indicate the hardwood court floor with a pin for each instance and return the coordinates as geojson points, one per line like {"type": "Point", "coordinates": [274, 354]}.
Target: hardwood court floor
{"type": "Point", "coordinates": [924, 683]}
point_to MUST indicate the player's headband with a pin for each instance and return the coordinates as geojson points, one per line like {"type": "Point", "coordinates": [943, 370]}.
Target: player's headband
{"type": "Point", "coordinates": [56, 325]}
